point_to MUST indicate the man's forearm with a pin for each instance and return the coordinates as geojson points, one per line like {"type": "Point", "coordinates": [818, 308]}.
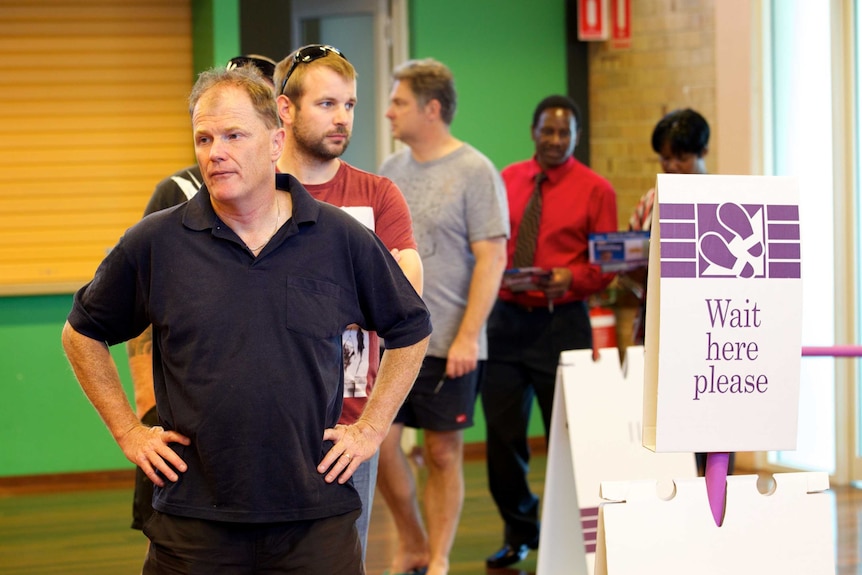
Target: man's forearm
{"type": "Point", "coordinates": [98, 377]}
{"type": "Point", "coordinates": [411, 264]}
{"type": "Point", "coordinates": [398, 370]}
{"type": "Point", "coordinates": [484, 286]}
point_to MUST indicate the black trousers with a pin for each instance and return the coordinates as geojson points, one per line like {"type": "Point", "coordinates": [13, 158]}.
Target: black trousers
{"type": "Point", "coordinates": [524, 346]}
{"type": "Point", "coordinates": [189, 546]}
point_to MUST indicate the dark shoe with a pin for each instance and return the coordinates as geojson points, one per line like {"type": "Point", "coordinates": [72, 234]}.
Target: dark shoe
{"type": "Point", "coordinates": [507, 555]}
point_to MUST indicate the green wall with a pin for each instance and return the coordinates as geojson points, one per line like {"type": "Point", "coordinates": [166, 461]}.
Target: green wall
{"type": "Point", "coordinates": [49, 425]}
{"type": "Point", "coordinates": [215, 33]}
{"type": "Point", "coordinates": [506, 56]}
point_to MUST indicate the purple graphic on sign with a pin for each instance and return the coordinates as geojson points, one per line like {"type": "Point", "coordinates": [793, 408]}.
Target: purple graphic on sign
{"type": "Point", "coordinates": [589, 527]}
{"type": "Point", "coordinates": [729, 240]}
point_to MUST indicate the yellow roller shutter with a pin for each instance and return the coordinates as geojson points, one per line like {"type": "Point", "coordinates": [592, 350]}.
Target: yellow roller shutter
{"type": "Point", "coordinates": [93, 114]}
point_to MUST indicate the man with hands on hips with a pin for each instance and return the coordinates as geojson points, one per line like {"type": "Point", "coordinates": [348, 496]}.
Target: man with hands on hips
{"type": "Point", "coordinates": [251, 470]}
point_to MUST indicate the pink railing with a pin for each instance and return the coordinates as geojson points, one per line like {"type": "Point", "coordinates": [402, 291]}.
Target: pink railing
{"type": "Point", "coordinates": [833, 351]}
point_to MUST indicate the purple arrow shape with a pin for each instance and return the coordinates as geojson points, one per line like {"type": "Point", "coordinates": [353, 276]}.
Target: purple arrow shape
{"type": "Point", "coordinates": [716, 484]}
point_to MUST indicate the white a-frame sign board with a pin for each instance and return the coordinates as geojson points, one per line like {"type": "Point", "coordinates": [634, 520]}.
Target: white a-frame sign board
{"type": "Point", "coordinates": [788, 531]}
{"type": "Point", "coordinates": [595, 436]}
{"type": "Point", "coordinates": [723, 343]}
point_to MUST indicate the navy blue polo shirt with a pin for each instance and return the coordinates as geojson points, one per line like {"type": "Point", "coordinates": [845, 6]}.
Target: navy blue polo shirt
{"type": "Point", "coordinates": [247, 351]}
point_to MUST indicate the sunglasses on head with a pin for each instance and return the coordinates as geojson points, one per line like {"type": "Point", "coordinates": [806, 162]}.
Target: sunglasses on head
{"type": "Point", "coordinates": [266, 68]}
{"type": "Point", "coordinates": [308, 54]}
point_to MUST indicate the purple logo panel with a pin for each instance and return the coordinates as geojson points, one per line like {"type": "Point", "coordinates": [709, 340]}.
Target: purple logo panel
{"type": "Point", "coordinates": [785, 270]}
{"type": "Point", "coordinates": [784, 231]}
{"type": "Point", "coordinates": [779, 251]}
{"type": "Point", "coordinates": [676, 269]}
{"type": "Point", "coordinates": [729, 240]}
{"type": "Point", "coordinates": [783, 213]}
{"type": "Point", "coordinates": [677, 231]}
{"type": "Point", "coordinates": [678, 250]}
{"type": "Point", "coordinates": [676, 211]}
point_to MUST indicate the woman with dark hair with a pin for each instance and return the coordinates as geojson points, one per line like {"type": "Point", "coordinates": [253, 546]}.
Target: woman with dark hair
{"type": "Point", "coordinates": [681, 140]}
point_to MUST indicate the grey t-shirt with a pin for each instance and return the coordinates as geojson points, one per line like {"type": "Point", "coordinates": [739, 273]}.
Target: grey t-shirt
{"type": "Point", "coordinates": [454, 201]}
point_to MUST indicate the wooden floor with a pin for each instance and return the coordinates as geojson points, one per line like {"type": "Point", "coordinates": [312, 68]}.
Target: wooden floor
{"type": "Point", "coordinates": [86, 532]}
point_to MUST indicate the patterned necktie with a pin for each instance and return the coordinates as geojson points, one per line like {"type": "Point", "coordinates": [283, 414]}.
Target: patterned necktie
{"type": "Point", "coordinates": [528, 231]}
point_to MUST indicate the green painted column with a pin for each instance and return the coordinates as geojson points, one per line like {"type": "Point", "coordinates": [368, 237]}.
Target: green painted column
{"type": "Point", "coordinates": [215, 33]}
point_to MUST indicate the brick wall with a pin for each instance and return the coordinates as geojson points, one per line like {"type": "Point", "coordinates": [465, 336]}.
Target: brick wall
{"type": "Point", "coordinates": [670, 64]}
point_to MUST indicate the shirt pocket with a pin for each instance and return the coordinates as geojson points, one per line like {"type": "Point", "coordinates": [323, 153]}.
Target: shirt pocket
{"type": "Point", "coordinates": [312, 307]}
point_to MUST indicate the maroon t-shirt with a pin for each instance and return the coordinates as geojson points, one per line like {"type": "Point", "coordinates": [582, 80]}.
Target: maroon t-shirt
{"type": "Point", "coordinates": [378, 203]}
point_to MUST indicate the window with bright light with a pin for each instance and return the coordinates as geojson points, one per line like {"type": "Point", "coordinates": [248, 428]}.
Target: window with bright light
{"type": "Point", "coordinates": [857, 132]}
{"type": "Point", "coordinates": [802, 146]}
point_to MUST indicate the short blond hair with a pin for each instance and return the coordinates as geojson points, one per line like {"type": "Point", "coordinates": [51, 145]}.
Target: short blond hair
{"type": "Point", "coordinates": [295, 87]}
{"type": "Point", "coordinates": [247, 78]}
{"type": "Point", "coordinates": [429, 80]}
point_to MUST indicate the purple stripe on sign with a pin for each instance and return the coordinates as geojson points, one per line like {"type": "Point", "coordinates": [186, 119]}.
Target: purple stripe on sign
{"type": "Point", "coordinates": [677, 231]}
{"type": "Point", "coordinates": [779, 251]}
{"type": "Point", "coordinates": [678, 269]}
{"type": "Point", "coordinates": [589, 511]}
{"type": "Point", "coordinates": [780, 231]}
{"type": "Point", "coordinates": [589, 522]}
{"type": "Point", "coordinates": [782, 213]}
{"type": "Point", "coordinates": [676, 211]}
{"type": "Point", "coordinates": [787, 270]}
{"type": "Point", "coordinates": [678, 250]}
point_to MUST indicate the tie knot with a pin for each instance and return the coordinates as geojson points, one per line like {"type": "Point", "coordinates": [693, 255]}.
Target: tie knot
{"type": "Point", "coordinates": [541, 177]}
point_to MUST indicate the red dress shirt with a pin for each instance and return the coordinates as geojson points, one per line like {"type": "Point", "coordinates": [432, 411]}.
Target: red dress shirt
{"type": "Point", "coordinates": [576, 202]}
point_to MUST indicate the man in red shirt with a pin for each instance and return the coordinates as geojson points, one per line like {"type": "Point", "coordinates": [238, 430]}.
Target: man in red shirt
{"type": "Point", "coordinates": [530, 325]}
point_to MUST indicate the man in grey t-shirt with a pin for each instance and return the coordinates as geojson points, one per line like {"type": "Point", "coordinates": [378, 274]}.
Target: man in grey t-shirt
{"type": "Point", "coordinates": [461, 222]}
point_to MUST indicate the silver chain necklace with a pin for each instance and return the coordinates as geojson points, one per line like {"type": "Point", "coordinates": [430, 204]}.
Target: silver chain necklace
{"type": "Point", "coordinates": [275, 229]}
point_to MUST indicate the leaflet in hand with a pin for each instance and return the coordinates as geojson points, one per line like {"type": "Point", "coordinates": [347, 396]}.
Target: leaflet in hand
{"type": "Point", "coordinates": [619, 251]}
{"type": "Point", "coordinates": [525, 279]}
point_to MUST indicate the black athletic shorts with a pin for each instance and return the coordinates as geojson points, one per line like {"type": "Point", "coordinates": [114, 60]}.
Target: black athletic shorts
{"type": "Point", "coordinates": [439, 403]}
